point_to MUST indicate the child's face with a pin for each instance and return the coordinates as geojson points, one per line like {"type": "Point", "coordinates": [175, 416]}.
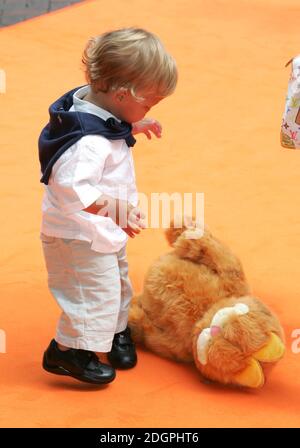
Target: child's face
{"type": "Point", "coordinates": [129, 109]}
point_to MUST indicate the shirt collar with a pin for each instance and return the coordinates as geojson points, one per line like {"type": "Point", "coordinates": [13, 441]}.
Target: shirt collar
{"type": "Point", "coordinates": [81, 105]}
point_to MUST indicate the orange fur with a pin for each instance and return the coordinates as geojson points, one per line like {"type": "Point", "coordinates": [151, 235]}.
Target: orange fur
{"type": "Point", "coordinates": [182, 292]}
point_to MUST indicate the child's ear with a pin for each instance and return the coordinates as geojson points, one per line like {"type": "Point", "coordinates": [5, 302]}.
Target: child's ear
{"type": "Point", "coordinates": [121, 94]}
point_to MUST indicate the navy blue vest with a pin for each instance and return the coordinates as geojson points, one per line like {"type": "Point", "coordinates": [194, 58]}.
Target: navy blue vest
{"type": "Point", "coordinates": [66, 128]}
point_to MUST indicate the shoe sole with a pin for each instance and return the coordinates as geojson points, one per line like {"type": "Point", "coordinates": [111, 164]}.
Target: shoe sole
{"type": "Point", "coordinates": [61, 371]}
{"type": "Point", "coordinates": [120, 366]}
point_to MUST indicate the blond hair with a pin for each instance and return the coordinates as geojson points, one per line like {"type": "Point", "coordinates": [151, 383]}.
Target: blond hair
{"type": "Point", "coordinates": [130, 58]}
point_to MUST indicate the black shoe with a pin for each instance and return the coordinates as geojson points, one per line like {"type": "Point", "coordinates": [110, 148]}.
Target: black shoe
{"type": "Point", "coordinates": [80, 364]}
{"type": "Point", "coordinates": [122, 354]}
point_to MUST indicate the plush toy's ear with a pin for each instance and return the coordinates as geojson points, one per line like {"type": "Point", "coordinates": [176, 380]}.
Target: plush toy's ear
{"type": "Point", "coordinates": [253, 375]}
{"type": "Point", "coordinates": [272, 351]}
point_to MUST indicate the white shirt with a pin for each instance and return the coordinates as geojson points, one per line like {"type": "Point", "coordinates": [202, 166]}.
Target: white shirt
{"type": "Point", "coordinates": [92, 166]}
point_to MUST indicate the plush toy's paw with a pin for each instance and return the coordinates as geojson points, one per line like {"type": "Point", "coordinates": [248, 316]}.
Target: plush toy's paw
{"type": "Point", "coordinates": [241, 341]}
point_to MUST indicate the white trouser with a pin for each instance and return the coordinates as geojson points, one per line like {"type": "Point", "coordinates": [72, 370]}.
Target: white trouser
{"type": "Point", "coordinates": [92, 289]}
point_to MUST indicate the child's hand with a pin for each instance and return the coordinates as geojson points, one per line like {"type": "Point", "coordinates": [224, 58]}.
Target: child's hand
{"type": "Point", "coordinates": [146, 126]}
{"type": "Point", "coordinates": [134, 221]}
{"type": "Point", "coordinates": [124, 214]}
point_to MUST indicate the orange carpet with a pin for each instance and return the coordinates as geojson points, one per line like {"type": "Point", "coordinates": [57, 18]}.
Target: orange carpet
{"type": "Point", "coordinates": [220, 137]}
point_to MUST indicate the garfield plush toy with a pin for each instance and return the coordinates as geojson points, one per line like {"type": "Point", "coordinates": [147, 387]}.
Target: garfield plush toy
{"type": "Point", "coordinates": [196, 306]}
